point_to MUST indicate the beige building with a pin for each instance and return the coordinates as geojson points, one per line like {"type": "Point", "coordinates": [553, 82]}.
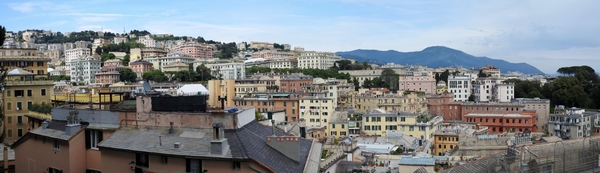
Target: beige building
{"type": "Point", "coordinates": [411, 102]}
{"type": "Point", "coordinates": [316, 111]}
{"type": "Point", "coordinates": [541, 108]}
{"type": "Point", "coordinates": [23, 88]}
{"type": "Point", "coordinates": [175, 67]}
{"type": "Point", "coordinates": [317, 60]}
{"type": "Point", "coordinates": [221, 88]}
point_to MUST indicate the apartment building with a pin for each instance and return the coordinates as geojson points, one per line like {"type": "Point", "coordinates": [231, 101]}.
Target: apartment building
{"type": "Point", "coordinates": [160, 62]}
{"type": "Point", "coordinates": [273, 54]}
{"type": "Point", "coordinates": [460, 86]}
{"type": "Point", "coordinates": [146, 52]}
{"type": "Point", "coordinates": [324, 88]}
{"type": "Point", "coordinates": [283, 63]}
{"type": "Point", "coordinates": [68, 143]}
{"type": "Point", "coordinates": [261, 45]}
{"type": "Point", "coordinates": [81, 44]}
{"type": "Point", "coordinates": [505, 122]}
{"type": "Point", "coordinates": [73, 54]}
{"type": "Point", "coordinates": [573, 123]}
{"type": "Point", "coordinates": [491, 71]}
{"type": "Point", "coordinates": [343, 124]}
{"type": "Point", "coordinates": [148, 41]}
{"type": "Point", "coordinates": [410, 102]}
{"type": "Point", "coordinates": [271, 101]}
{"type": "Point", "coordinates": [446, 138]}
{"type": "Point", "coordinates": [491, 108]}
{"type": "Point", "coordinates": [294, 82]}
{"type": "Point", "coordinates": [83, 70]}
{"type": "Point", "coordinates": [231, 70]}
{"type": "Point", "coordinates": [487, 89]}
{"type": "Point", "coordinates": [254, 84]}
{"type": "Point", "coordinates": [379, 123]}
{"type": "Point", "coordinates": [221, 89]}
{"type": "Point", "coordinates": [58, 47]}
{"type": "Point", "coordinates": [109, 74]}
{"type": "Point", "coordinates": [541, 108]}
{"type": "Point", "coordinates": [444, 105]}
{"type": "Point", "coordinates": [317, 60]}
{"type": "Point", "coordinates": [316, 111]}
{"type": "Point", "coordinates": [195, 50]}
{"type": "Point", "coordinates": [119, 39]}
{"type": "Point", "coordinates": [140, 67]}
{"type": "Point", "coordinates": [22, 90]}
{"type": "Point", "coordinates": [175, 67]}
{"type": "Point", "coordinates": [422, 81]}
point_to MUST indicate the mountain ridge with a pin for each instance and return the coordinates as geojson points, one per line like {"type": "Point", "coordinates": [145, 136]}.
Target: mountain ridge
{"type": "Point", "coordinates": [435, 56]}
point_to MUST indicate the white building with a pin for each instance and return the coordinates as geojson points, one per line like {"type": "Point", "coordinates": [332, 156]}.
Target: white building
{"type": "Point", "coordinates": [160, 62]}
{"type": "Point", "coordinates": [148, 41]}
{"type": "Point", "coordinates": [72, 54]}
{"type": "Point", "coordinates": [83, 70]}
{"type": "Point", "coordinates": [488, 89]}
{"type": "Point", "coordinates": [283, 63]}
{"type": "Point", "coordinates": [317, 60]}
{"type": "Point", "coordinates": [232, 70]}
{"type": "Point", "coordinates": [56, 46]}
{"type": "Point", "coordinates": [460, 86]}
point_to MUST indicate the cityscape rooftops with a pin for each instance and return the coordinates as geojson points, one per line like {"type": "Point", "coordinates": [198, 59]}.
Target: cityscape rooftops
{"type": "Point", "coordinates": [417, 161]}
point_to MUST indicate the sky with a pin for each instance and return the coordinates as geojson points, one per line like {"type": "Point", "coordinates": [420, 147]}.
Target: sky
{"type": "Point", "coordinates": [545, 34]}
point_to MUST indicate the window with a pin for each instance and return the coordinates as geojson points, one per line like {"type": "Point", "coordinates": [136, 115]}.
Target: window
{"type": "Point", "coordinates": [92, 138]}
{"type": "Point", "coordinates": [333, 126]}
{"type": "Point", "coordinates": [333, 133]}
{"type": "Point", "coordinates": [141, 160]}
{"type": "Point", "coordinates": [8, 93]}
{"type": "Point", "coordinates": [402, 119]}
{"type": "Point", "coordinates": [9, 120]}
{"type": "Point", "coordinates": [19, 93]}
{"type": "Point", "coordinates": [19, 132]}
{"type": "Point", "coordinates": [9, 131]}
{"type": "Point", "coordinates": [29, 105]}
{"type": "Point", "coordinates": [19, 106]}
{"type": "Point", "coordinates": [54, 170]}
{"type": "Point", "coordinates": [411, 128]}
{"type": "Point", "coordinates": [193, 166]}
{"type": "Point", "coordinates": [43, 92]}
{"type": "Point", "coordinates": [237, 165]}
{"type": "Point", "coordinates": [19, 119]}
{"type": "Point", "coordinates": [92, 171]}
{"type": "Point", "coordinates": [164, 159]}
{"type": "Point", "coordinates": [343, 133]}
{"type": "Point", "coordinates": [56, 145]}
{"type": "Point", "coordinates": [29, 93]}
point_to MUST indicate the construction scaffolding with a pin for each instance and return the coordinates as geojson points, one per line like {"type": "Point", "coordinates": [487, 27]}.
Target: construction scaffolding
{"type": "Point", "coordinates": [569, 156]}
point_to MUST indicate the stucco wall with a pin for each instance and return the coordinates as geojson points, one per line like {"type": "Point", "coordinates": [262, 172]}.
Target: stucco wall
{"type": "Point", "coordinates": [35, 155]}
{"type": "Point", "coordinates": [77, 153]}
{"type": "Point", "coordinates": [115, 161]}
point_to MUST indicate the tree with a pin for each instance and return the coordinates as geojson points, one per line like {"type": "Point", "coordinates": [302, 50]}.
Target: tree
{"type": "Point", "coordinates": [444, 76]}
{"type": "Point", "coordinates": [127, 75]}
{"type": "Point", "coordinates": [63, 63]}
{"type": "Point", "coordinates": [2, 35]}
{"type": "Point", "coordinates": [61, 78]}
{"type": "Point", "coordinates": [204, 73]}
{"type": "Point", "coordinates": [126, 60]}
{"type": "Point", "coordinates": [390, 78]}
{"type": "Point", "coordinates": [105, 56]}
{"type": "Point", "coordinates": [154, 75]}
{"type": "Point", "coordinates": [99, 50]}
{"type": "Point", "coordinates": [482, 74]}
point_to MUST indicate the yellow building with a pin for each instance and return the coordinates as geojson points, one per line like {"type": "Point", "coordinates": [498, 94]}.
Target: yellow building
{"type": "Point", "coordinates": [221, 88]}
{"type": "Point", "coordinates": [343, 124]}
{"type": "Point", "coordinates": [411, 102]}
{"type": "Point", "coordinates": [316, 111]}
{"type": "Point", "coordinates": [447, 137]}
{"type": "Point", "coordinates": [379, 123]}
{"type": "Point", "coordinates": [441, 87]}
{"type": "Point", "coordinates": [26, 84]}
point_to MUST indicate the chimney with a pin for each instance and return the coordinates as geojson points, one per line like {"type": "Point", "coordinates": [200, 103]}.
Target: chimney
{"type": "Point", "coordinates": [218, 145]}
{"type": "Point", "coordinates": [44, 124]}
{"type": "Point", "coordinates": [286, 145]}
{"type": "Point", "coordinates": [171, 129]}
{"type": "Point", "coordinates": [73, 123]}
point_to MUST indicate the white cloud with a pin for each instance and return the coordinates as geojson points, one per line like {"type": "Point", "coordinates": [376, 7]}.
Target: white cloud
{"type": "Point", "coordinates": [27, 7]}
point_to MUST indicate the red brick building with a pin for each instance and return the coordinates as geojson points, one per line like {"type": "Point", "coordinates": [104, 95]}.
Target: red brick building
{"type": "Point", "coordinates": [502, 122]}
{"type": "Point", "coordinates": [445, 106]}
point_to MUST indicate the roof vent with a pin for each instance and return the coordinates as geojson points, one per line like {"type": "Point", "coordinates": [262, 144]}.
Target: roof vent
{"type": "Point", "coordinates": [176, 145]}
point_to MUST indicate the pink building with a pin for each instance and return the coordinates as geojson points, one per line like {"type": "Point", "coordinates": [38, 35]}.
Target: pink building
{"type": "Point", "coordinates": [195, 50]}
{"type": "Point", "coordinates": [140, 67]}
{"type": "Point", "coordinates": [418, 81]}
{"type": "Point", "coordinates": [110, 74]}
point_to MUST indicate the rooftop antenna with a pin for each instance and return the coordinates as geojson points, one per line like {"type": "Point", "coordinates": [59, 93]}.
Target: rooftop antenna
{"type": "Point", "coordinates": [222, 100]}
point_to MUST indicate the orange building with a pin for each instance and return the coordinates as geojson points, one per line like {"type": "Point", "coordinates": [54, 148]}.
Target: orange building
{"type": "Point", "coordinates": [263, 102]}
{"type": "Point", "coordinates": [294, 82]}
{"type": "Point", "coordinates": [503, 122]}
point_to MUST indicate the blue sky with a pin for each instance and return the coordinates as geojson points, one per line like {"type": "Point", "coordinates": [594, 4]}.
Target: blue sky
{"type": "Point", "coordinates": [546, 34]}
